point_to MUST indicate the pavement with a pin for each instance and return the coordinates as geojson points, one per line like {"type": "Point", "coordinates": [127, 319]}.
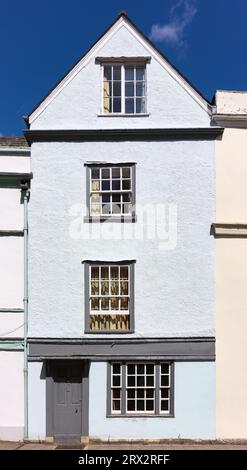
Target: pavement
{"type": "Point", "coordinates": [126, 446]}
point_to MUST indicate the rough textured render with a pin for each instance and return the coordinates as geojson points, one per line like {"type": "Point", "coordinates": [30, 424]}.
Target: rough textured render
{"type": "Point", "coordinates": [231, 102]}
{"type": "Point", "coordinates": [174, 282]}
{"type": "Point", "coordinates": [77, 106]}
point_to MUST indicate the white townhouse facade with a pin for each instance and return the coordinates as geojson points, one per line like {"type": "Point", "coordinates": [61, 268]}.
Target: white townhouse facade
{"type": "Point", "coordinates": [121, 289]}
{"type": "Point", "coordinates": [15, 178]}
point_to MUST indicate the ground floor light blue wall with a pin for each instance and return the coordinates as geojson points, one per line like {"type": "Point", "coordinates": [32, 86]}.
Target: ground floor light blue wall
{"type": "Point", "coordinates": [194, 407]}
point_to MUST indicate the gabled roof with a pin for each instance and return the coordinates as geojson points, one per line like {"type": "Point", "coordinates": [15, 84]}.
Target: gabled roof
{"type": "Point", "coordinates": [17, 141]}
{"type": "Point", "coordinates": [121, 20]}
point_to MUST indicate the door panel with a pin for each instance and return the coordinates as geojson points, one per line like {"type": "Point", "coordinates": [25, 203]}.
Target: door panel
{"type": "Point", "coordinates": [67, 400]}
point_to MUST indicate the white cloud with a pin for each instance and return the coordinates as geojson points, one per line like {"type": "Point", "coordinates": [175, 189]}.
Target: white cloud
{"type": "Point", "coordinates": [181, 14]}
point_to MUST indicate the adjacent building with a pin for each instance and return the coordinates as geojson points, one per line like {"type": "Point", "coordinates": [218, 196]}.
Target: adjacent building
{"type": "Point", "coordinates": [121, 260]}
{"type": "Point", "coordinates": [231, 250]}
{"type": "Point", "coordinates": [14, 178]}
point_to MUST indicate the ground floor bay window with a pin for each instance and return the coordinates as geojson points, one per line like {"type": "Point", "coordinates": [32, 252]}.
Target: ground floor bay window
{"type": "Point", "coordinates": [140, 389]}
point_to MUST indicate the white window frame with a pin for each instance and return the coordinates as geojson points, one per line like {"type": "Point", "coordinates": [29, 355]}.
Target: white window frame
{"type": "Point", "coordinates": [111, 191]}
{"type": "Point", "coordinates": [141, 387]}
{"type": "Point", "coordinates": [123, 65]}
{"type": "Point", "coordinates": [157, 387]}
{"type": "Point", "coordinates": [109, 312]}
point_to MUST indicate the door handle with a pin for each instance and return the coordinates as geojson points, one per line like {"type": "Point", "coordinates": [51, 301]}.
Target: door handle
{"type": "Point", "coordinates": [76, 411]}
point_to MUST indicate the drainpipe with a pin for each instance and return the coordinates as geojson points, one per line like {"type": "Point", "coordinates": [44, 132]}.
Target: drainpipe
{"type": "Point", "coordinates": [25, 197]}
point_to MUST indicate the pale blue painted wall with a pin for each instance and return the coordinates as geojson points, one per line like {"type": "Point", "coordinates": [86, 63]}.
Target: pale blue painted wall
{"type": "Point", "coordinates": [194, 407]}
{"type": "Point", "coordinates": [174, 288]}
{"type": "Point", "coordinates": [77, 106]}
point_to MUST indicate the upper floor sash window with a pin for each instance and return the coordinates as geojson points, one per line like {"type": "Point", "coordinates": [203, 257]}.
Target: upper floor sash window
{"type": "Point", "coordinates": [124, 89]}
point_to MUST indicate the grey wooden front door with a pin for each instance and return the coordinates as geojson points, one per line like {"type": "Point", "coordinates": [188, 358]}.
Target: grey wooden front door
{"type": "Point", "coordinates": [68, 400]}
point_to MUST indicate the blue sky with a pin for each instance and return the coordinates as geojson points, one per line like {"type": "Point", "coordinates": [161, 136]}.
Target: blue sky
{"type": "Point", "coordinates": [41, 39]}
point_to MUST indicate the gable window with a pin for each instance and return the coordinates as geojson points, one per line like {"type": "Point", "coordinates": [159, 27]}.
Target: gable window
{"type": "Point", "coordinates": [140, 388]}
{"type": "Point", "coordinates": [109, 297]}
{"type": "Point", "coordinates": [124, 89]}
{"type": "Point", "coordinates": [111, 191]}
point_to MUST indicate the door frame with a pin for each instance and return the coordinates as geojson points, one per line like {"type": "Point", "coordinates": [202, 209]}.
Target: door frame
{"type": "Point", "coordinates": [50, 392]}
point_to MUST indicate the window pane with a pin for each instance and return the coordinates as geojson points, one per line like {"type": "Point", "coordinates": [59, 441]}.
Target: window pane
{"type": "Point", "coordinates": [150, 405]}
{"type": "Point", "coordinates": [116, 197]}
{"type": "Point", "coordinates": [140, 393]}
{"type": "Point", "coordinates": [105, 173]}
{"type": "Point", "coordinates": [131, 380]}
{"type": "Point", "coordinates": [116, 368]}
{"type": "Point", "coordinates": [129, 89]}
{"type": "Point", "coordinates": [114, 288]}
{"type": "Point", "coordinates": [94, 287]}
{"type": "Point", "coordinates": [140, 89]}
{"type": "Point", "coordinates": [106, 198]}
{"type": "Point", "coordinates": [94, 304]}
{"type": "Point", "coordinates": [129, 106]}
{"type": "Point", "coordinates": [125, 184]}
{"type": "Point", "coordinates": [95, 173]}
{"type": "Point", "coordinates": [164, 405]}
{"type": "Point", "coordinates": [165, 380]}
{"type": "Point", "coordinates": [104, 303]}
{"type": "Point", "coordinates": [114, 303]}
{"type": "Point", "coordinates": [116, 381]}
{"type": "Point", "coordinates": [104, 288]}
{"type": "Point", "coordinates": [116, 72]}
{"type": "Point", "coordinates": [107, 72]}
{"type": "Point", "coordinates": [131, 369]}
{"type": "Point", "coordinates": [140, 405]}
{"type": "Point", "coordinates": [140, 73]}
{"type": "Point", "coordinates": [94, 272]}
{"type": "Point", "coordinates": [126, 208]}
{"type": "Point", "coordinates": [130, 393]}
{"type": "Point", "coordinates": [95, 185]}
{"type": "Point", "coordinates": [130, 405]}
{"type": "Point", "coordinates": [117, 105]}
{"type": "Point", "coordinates": [116, 173]}
{"type": "Point", "coordinates": [140, 368]}
{"type": "Point", "coordinates": [106, 209]}
{"type": "Point", "coordinates": [150, 381]}
{"type": "Point", "coordinates": [124, 303]}
{"type": "Point", "coordinates": [140, 381]}
{"type": "Point", "coordinates": [107, 90]}
{"type": "Point", "coordinates": [116, 208]}
{"type": "Point", "coordinates": [150, 369]}
{"type": "Point", "coordinates": [116, 405]}
{"type": "Point", "coordinates": [129, 73]}
{"type": "Point", "coordinates": [95, 209]}
{"type": "Point", "coordinates": [149, 393]}
{"type": "Point", "coordinates": [116, 89]}
{"type": "Point", "coordinates": [164, 368]}
{"type": "Point", "coordinates": [164, 393]}
{"type": "Point", "coordinates": [140, 105]}
{"type": "Point", "coordinates": [104, 272]}
{"type": "Point", "coordinates": [115, 185]}
{"type": "Point", "coordinates": [106, 185]}
{"type": "Point", "coordinates": [125, 172]}
{"type": "Point", "coordinates": [124, 272]}
{"type": "Point", "coordinates": [126, 197]}
{"type": "Point", "coordinates": [114, 272]}
{"type": "Point", "coordinates": [124, 288]}
{"type": "Point", "coordinates": [95, 198]}
{"type": "Point", "coordinates": [107, 105]}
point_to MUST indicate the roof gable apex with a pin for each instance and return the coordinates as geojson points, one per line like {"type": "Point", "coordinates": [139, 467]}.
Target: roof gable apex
{"type": "Point", "coordinates": [122, 20]}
